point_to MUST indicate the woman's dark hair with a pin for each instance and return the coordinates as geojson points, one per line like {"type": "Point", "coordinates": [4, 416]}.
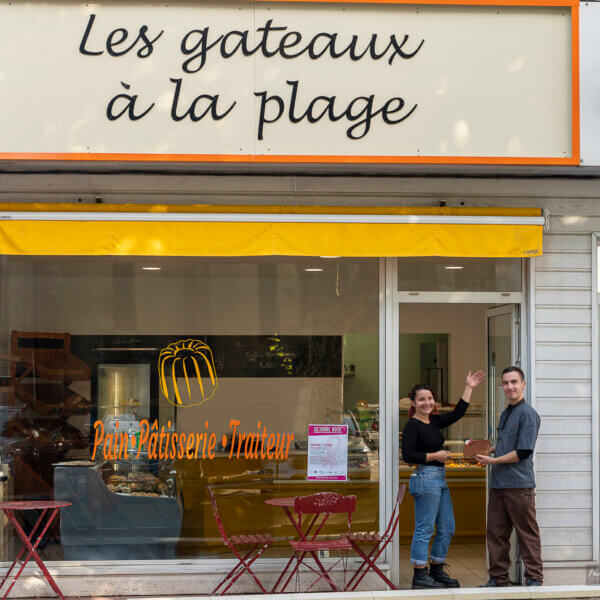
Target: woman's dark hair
{"type": "Point", "coordinates": [413, 394]}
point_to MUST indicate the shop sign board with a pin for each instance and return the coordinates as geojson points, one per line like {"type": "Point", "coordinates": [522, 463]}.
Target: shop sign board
{"type": "Point", "coordinates": [290, 81]}
{"type": "Point", "coordinates": [327, 453]}
{"type": "Point", "coordinates": [590, 83]}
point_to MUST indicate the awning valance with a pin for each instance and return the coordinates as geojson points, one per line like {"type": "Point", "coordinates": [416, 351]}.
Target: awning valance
{"type": "Point", "coordinates": [202, 230]}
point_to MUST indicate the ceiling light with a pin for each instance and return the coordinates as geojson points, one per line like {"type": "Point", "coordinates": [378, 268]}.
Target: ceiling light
{"type": "Point", "coordinates": [453, 268]}
{"type": "Point", "coordinates": [151, 268]}
{"type": "Point", "coordinates": [313, 270]}
{"type": "Point", "coordinates": [328, 256]}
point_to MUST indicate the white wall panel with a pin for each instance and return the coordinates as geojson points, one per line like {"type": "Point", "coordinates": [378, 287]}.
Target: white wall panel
{"type": "Point", "coordinates": [556, 518]}
{"type": "Point", "coordinates": [555, 296]}
{"type": "Point", "coordinates": [552, 462]}
{"type": "Point", "coordinates": [571, 369]}
{"type": "Point", "coordinates": [574, 223]}
{"type": "Point", "coordinates": [567, 243]}
{"type": "Point", "coordinates": [570, 499]}
{"type": "Point", "coordinates": [564, 481]}
{"type": "Point", "coordinates": [563, 406]}
{"type": "Point", "coordinates": [562, 389]}
{"type": "Point", "coordinates": [561, 260]}
{"type": "Point", "coordinates": [556, 350]}
{"type": "Point", "coordinates": [557, 316]}
{"type": "Point", "coordinates": [566, 552]}
{"type": "Point", "coordinates": [563, 279]}
{"type": "Point", "coordinates": [572, 536]}
{"type": "Point", "coordinates": [566, 426]}
{"type": "Point", "coordinates": [569, 444]}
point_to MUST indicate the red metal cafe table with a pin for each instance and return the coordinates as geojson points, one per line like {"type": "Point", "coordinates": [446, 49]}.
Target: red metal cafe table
{"type": "Point", "coordinates": [287, 504]}
{"type": "Point", "coordinates": [49, 510]}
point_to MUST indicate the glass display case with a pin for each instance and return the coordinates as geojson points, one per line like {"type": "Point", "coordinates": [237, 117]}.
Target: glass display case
{"type": "Point", "coordinates": [139, 477]}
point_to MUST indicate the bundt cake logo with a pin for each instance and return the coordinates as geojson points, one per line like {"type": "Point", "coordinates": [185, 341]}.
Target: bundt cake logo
{"type": "Point", "coordinates": [187, 374]}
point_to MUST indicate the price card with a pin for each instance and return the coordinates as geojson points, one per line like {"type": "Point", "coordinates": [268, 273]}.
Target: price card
{"type": "Point", "coordinates": [327, 453]}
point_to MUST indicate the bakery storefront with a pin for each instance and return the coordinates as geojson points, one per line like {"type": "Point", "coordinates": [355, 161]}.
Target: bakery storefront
{"type": "Point", "coordinates": [240, 355]}
{"type": "Point", "coordinates": [156, 344]}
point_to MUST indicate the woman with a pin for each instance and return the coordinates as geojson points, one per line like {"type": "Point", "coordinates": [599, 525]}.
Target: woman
{"type": "Point", "coordinates": [422, 443]}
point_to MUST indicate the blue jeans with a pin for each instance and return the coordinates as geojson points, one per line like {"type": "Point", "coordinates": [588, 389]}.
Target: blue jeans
{"type": "Point", "coordinates": [433, 511]}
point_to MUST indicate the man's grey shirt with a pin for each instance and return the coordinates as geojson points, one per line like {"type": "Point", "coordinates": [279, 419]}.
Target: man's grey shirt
{"type": "Point", "coordinates": [517, 430]}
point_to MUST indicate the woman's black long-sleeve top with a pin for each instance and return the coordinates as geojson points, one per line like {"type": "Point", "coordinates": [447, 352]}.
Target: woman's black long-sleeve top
{"type": "Point", "coordinates": [419, 439]}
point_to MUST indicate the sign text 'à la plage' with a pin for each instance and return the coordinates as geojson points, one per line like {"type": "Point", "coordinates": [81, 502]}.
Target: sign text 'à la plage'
{"type": "Point", "coordinates": [198, 46]}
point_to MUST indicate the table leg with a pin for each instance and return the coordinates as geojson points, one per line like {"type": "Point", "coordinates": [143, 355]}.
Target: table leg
{"type": "Point", "coordinates": [33, 553]}
{"type": "Point", "coordinates": [303, 536]}
{"type": "Point", "coordinates": [30, 537]}
{"type": "Point", "coordinates": [298, 529]}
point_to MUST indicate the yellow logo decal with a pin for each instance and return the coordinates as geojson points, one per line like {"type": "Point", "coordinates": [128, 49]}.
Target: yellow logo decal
{"type": "Point", "coordinates": [188, 362]}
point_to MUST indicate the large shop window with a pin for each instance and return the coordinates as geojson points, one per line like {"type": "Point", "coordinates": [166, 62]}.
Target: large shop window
{"type": "Point", "coordinates": [256, 346]}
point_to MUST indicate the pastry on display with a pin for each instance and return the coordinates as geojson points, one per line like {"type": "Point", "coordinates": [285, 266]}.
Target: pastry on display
{"type": "Point", "coordinates": [135, 483]}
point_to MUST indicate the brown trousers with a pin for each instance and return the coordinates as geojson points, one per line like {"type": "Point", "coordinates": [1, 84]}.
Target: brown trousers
{"type": "Point", "coordinates": [508, 509]}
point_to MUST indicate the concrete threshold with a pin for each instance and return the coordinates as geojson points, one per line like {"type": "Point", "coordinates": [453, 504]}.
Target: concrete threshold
{"type": "Point", "coordinates": [557, 592]}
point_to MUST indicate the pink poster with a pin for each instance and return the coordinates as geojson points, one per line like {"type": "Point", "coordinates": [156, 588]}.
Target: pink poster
{"type": "Point", "coordinates": [327, 453]}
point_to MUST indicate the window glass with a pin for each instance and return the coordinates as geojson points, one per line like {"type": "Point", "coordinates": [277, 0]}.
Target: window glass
{"type": "Point", "coordinates": [436, 274]}
{"type": "Point", "coordinates": [112, 367]}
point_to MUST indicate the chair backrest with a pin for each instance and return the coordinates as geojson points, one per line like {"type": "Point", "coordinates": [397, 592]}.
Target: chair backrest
{"type": "Point", "coordinates": [325, 503]}
{"type": "Point", "coordinates": [217, 517]}
{"type": "Point", "coordinates": [395, 516]}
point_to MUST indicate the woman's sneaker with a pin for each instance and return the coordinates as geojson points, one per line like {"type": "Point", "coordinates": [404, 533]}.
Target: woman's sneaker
{"type": "Point", "coordinates": [422, 580]}
{"type": "Point", "coordinates": [439, 572]}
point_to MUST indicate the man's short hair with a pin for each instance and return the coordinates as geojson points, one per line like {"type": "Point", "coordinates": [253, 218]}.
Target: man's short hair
{"type": "Point", "coordinates": [515, 369]}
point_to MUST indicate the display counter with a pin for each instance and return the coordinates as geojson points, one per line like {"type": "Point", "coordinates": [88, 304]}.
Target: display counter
{"type": "Point", "coordinates": [102, 524]}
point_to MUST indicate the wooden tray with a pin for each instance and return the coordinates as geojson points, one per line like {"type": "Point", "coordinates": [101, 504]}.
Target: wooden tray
{"type": "Point", "coordinates": [474, 447]}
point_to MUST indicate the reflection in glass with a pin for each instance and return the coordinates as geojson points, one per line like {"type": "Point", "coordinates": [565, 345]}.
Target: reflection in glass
{"type": "Point", "coordinates": [438, 274]}
{"type": "Point", "coordinates": [123, 391]}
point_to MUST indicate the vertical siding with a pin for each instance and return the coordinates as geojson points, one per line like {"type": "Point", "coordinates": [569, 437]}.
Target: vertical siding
{"type": "Point", "coordinates": [563, 281]}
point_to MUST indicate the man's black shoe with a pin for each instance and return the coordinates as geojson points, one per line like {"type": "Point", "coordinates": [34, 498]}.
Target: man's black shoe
{"type": "Point", "coordinates": [422, 581]}
{"type": "Point", "coordinates": [439, 572]}
{"type": "Point", "coordinates": [493, 582]}
{"type": "Point", "coordinates": [532, 582]}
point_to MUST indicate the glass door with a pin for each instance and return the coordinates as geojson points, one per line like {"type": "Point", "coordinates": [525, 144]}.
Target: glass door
{"type": "Point", "coordinates": [503, 333]}
{"type": "Point", "coordinates": [502, 351]}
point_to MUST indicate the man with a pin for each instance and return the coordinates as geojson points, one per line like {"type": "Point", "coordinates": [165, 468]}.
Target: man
{"type": "Point", "coordinates": [512, 494]}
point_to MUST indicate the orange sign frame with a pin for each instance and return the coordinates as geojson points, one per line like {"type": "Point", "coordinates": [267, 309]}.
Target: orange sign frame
{"type": "Point", "coordinates": [572, 5]}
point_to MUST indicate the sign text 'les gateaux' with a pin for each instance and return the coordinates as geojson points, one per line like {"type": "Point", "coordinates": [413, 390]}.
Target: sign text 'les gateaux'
{"type": "Point", "coordinates": [197, 46]}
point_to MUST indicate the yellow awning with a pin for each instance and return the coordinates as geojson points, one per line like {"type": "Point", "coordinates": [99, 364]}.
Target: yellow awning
{"type": "Point", "coordinates": [199, 230]}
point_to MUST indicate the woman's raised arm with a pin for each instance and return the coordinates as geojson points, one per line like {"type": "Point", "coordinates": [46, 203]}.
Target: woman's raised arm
{"type": "Point", "coordinates": [472, 381]}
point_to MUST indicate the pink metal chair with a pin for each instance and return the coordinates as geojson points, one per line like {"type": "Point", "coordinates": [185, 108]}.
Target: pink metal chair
{"type": "Point", "coordinates": [379, 541]}
{"type": "Point", "coordinates": [257, 543]}
{"type": "Point", "coordinates": [321, 506]}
